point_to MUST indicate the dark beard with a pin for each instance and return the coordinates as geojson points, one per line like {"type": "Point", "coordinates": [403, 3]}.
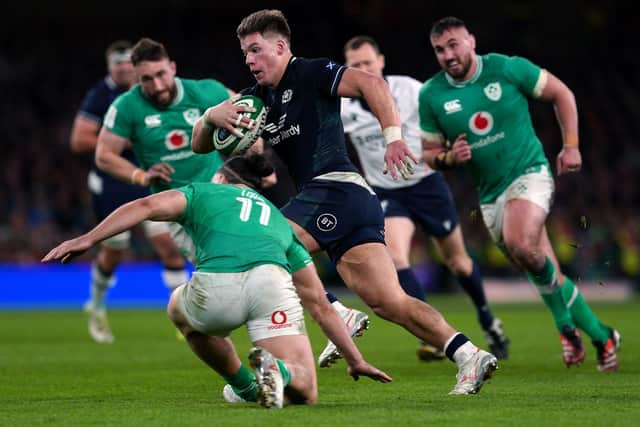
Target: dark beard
{"type": "Point", "coordinates": [172, 95]}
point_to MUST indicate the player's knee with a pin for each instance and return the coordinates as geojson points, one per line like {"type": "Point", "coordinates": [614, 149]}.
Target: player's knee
{"type": "Point", "coordinates": [459, 264]}
{"type": "Point", "coordinates": [312, 397]}
{"type": "Point", "coordinates": [400, 261]}
{"type": "Point", "coordinates": [522, 250]}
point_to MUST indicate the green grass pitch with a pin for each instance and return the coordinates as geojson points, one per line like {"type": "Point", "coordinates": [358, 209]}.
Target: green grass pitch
{"type": "Point", "coordinates": [53, 374]}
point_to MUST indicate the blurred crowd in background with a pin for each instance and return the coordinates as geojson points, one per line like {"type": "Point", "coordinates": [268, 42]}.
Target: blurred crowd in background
{"type": "Point", "coordinates": [50, 56]}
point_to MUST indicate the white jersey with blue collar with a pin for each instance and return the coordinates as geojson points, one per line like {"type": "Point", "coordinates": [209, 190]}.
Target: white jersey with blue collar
{"type": "Point", "coordinates": [366, 135]}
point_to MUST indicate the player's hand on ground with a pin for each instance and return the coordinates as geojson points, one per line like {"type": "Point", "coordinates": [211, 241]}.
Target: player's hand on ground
{"type": "Point", "coordinates": [228, 116]}
{"type": "Point", "coordinates": [367, 370]}
{"type": "Point", "coordinates": [68, 250]}
{"type": "Point", "coordinates": [398, 159]}
{"type": "Point", "coordinates": [569, 160]}
{"type": "Point", "coordinates": [160, 172]}
{"type": "Point", "coordinates": [460, 150]}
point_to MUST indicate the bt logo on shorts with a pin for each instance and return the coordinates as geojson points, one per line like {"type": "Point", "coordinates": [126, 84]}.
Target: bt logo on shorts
{"type": "Point", "coordinates": [481, 123]}
{"type": "Point", "coordinates": [279, 320]}
{"type": "Point", "coordinates": [326, 222]}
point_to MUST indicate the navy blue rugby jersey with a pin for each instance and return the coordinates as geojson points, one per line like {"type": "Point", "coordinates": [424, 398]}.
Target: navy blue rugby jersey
{"type": "Point", "coordinates": [95, 105]}
{"type": "Point", "coordinates": [303, 123]}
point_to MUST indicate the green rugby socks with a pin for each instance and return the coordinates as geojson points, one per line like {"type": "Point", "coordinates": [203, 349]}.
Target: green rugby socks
{"type": "Point", "coordinates": [546, 282]}
{"type": "Point", "coordinates": [244, 384]}
{"type": "Point", "coordinates": [582, 314]}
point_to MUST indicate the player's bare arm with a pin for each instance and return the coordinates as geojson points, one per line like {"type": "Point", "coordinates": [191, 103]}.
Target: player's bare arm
{"type": "Point", "coordinates": [164, 206]}
{"type": "Point", "coordinates": [84, 135]}
{"type": "Point", "coordinates": [357, 83]}
{"type": "Point", "coordinates": [313, 298]}
{"type": "Point", "coordinates": [225, 115]}
{"type": "Point", "coordinates": [109, 159]}
{"type": "Point", "coordinates": [564, 103]}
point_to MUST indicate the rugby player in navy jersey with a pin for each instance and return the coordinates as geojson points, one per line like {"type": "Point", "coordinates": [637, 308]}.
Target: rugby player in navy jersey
{"type": "Point", "coordinates": [335, 209]}
{"type": "Point", "coordinates": [108, 193]}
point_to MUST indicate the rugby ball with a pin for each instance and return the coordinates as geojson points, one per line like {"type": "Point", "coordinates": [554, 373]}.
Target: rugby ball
{"type": "Point", "coordinates": [230, 144]}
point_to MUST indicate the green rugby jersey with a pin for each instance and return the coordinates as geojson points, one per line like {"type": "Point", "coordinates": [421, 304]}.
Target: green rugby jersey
{"type": "Point", "coordinates": [164, 134]}
{"type": "Point", "coordinates": [492, 109]}
{"type": "Point", "coordinates": [235, 229]}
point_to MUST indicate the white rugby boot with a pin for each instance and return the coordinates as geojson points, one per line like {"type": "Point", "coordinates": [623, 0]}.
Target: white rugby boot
{"type": "Point", "coordinates": [357, 322]}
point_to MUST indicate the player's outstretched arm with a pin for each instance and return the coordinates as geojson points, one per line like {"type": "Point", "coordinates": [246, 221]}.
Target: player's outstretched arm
{"type": "Point", "coordinates": [312, 295]}
{"type": "Point", "coordinates": [375, 90]}
{"type": "Point", "coordinates": [164, 206]}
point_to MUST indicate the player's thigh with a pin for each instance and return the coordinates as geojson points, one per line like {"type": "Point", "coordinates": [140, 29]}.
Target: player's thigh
{"type": "Point", "coordinates": [305, 237]}
{"type": "Point", "coordinates": [368, 271]}
{"type": "Point", "coordinates": [398, 232]}
{"type": "Point", "coordinates": [523, 223]}
{"type": "Point", "coordinates": [521, 210]}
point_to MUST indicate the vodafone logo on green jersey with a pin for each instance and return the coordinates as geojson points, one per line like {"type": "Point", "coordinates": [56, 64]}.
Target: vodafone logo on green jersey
{"type": "Point", "coordinates": [481, 123]}
{"type": "Point", "coordinates": [176, 139]}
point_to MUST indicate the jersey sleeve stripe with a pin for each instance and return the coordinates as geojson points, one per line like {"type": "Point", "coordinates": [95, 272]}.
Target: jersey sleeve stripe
{"type": "Point", "coordinates": [540, 84]}
{"type": "Point", "coordinates": [336, 81]}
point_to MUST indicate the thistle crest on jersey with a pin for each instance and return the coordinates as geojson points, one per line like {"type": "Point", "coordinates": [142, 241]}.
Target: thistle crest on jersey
{"type": "Point", "coordinates": [493, 91]}
{"type": "Point", "coordinates": [481, 123]}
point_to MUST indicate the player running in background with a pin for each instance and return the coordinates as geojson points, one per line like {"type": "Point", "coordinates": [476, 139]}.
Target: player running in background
{"type": "Point", "coordinates": [108, 193]}
{"type": "Point", "coordinates": [246, 252]}
{"type": "Point", "coordinates": [155, 118]}
{"type": "Point", "coordinates": [303, 126]}
{"type": "Point", "coordinates": [474, 112]}
{"type": "Point", "coordinates": [424, 198]}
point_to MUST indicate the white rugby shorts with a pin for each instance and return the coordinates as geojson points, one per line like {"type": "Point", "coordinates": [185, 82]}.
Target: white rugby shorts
{"type": "Point", "coordinates": [537, 187]}
{"type": "Point", "coordinates": [263, 298]}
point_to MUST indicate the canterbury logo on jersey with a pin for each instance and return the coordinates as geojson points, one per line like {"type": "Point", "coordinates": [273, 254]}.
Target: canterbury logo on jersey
{"type": "Point", "coordinates": [152, 121]}
{"type": "Point", "coordinates": [452, 106]}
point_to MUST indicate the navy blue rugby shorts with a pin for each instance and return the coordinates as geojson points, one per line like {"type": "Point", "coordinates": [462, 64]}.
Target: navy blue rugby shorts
{"type": "Point", "coordinates": [338, 215]}
{"type": "Point", "coordinates": [428, 203]}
